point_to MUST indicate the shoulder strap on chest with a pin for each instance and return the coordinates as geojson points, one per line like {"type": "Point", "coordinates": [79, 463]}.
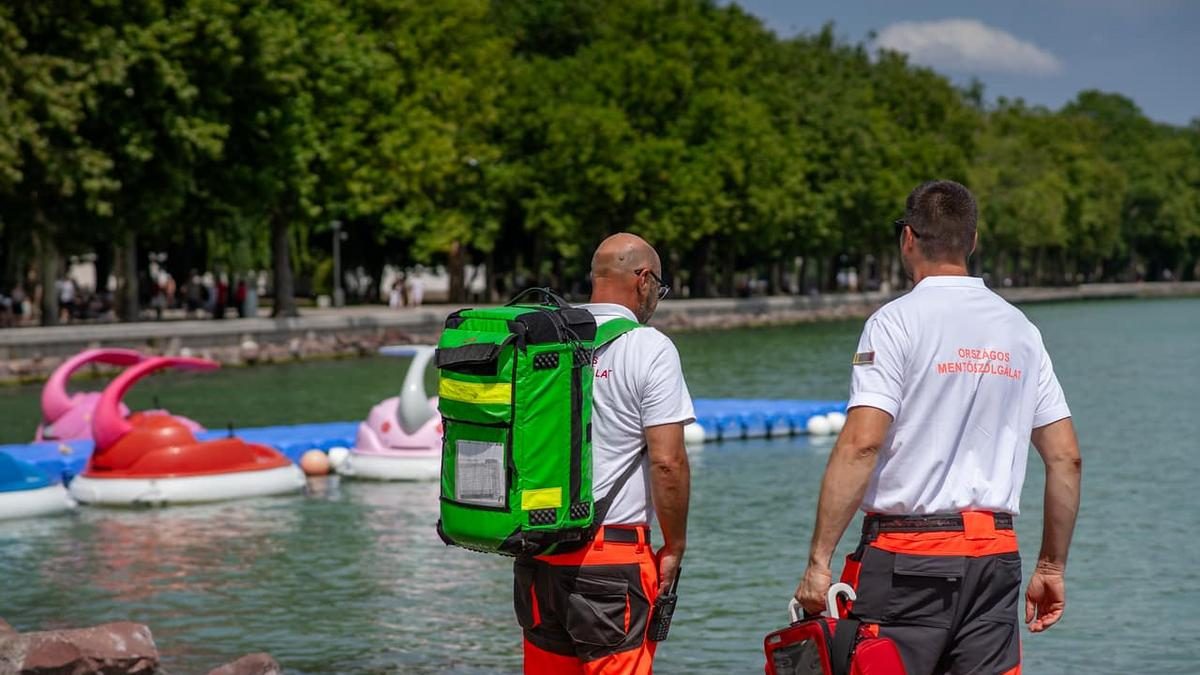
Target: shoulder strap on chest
{"type": "Point", "coordinates": [605, 333]}
{"type": "Point", "coordinates": [605, 503]}
{"type": "Point", "coordinates": [612, 329]}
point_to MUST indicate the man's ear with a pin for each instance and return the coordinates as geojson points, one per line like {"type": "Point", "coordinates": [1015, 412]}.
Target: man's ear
{"type": "Point", "coordinates": [974, 244]}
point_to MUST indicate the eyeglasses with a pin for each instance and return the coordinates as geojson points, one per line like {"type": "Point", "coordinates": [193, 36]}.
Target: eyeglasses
{"type": "Point", "coordinates": [900, 224]}
{"type": "Point", "coordinates": [663, 289]}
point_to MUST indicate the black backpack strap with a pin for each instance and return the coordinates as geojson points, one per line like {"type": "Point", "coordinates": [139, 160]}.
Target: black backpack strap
{"type": "Point", "coordinates": [845, 636]}
{"type": "Point", "coordinates": [602, 505]}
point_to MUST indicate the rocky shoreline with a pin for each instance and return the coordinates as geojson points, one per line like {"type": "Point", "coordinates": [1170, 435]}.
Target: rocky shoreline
{"type": "Point", "coordinates": [248, 352]}
{"type": "Point", "coordinates": [120, 648]}
{"type": "Point", "coordinates": [29, 355]}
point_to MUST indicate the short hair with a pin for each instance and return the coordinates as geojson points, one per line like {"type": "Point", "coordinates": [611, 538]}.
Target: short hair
{"type": "Point", "coordinates": [943, 215]}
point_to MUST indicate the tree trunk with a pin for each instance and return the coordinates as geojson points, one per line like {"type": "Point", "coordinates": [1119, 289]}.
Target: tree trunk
{"type": "Point", "coordinates": [831, 277]}
{"type": "Point", "coordinates": [558, 277]}
{"type": "Point", "coordinates": [285, 300]}
{"type": "Point", "coordinates": [127, 278]}
{"type": "Point", "coordinates": [493, 290]}
{"type": "Point", "coordinates": [16, 259]}
{"type": "Point", "coordinates": [775, 278]}
{"type": "Point", "coordinates": [672, 272]}
{"type": "Point", "coordinates": [698, 284]}
{"type": "Point", "coordinates": [48, 271]}
{"type": "Point", "coordinates": [729, 273]}
{"type": "Point", "coordinates": [8, 261]}
{"type": "Point", "coordinates": [456, 269]}
{"type": "Point", "coordinates": [104, 269]}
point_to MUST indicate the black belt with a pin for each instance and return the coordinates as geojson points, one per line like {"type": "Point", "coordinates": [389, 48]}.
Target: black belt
{"type": "Point", "coordinates": [938, 522]}
{"type": "Point", "coordinates": [626, 535]}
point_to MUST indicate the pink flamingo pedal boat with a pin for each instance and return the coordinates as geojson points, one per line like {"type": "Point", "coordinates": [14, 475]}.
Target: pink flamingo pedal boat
{"type": "Point", "coordinates": [402, 437]}
{"type": "Point", "coordinates": [68, 417]}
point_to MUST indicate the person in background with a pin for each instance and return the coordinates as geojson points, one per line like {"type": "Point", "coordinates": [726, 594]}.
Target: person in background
{"type": "Point", "coordinates": [416, 291]}
{"type": "Point", "coordinates": [221, 301]}
{"type": "Point", "coordinates": [397, 296]}
{"type": "Point", "coordinates": [19, 298]}
{"type": "Point", "coordinates": [948, 386]}
{"type": "Point", "coordinates": [239, 298]}
{"type": "Point", "coordinates": [6, 311]}
{"type": "Point", "coordinates": [192, 294]}
{"type": "Point", "coordinates": [67, 293]}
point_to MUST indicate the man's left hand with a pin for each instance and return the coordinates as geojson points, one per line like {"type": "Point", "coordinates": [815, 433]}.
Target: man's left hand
{"type": "Point", "coordinates": [813, 588]}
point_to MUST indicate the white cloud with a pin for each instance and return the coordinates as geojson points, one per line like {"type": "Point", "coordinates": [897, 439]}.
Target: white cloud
{"type": "Point", "coordinates": [967, 45]}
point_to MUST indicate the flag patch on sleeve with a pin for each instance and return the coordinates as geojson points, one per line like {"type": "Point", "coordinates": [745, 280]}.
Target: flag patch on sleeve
{"type": "Point", "coordinates": [863, 359]}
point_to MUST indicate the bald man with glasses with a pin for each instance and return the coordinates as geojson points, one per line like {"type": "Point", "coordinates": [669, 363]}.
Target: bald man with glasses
{"type": "Point", "coordinates": [588, 611]}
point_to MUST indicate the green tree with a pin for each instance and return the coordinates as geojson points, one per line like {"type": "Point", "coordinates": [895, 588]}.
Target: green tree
{"type": "Point", "coordinates": [56, 60]}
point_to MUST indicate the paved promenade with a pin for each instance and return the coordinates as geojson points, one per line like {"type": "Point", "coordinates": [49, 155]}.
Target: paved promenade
{"type": "Point", "coordinates": [381, 324]}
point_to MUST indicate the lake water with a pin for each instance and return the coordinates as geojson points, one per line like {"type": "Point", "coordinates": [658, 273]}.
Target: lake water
{"type": "Point", "coordinates": [351, 578]}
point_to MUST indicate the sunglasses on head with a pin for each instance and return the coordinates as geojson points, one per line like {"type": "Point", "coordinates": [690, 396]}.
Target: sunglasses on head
{"type": "Point", "coordinates": [900, 224]}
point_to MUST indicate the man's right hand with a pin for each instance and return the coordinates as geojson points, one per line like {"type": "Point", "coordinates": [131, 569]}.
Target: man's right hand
{"type": "Point", "coordinates": [813, 588]}
{"type": "Point", "coordinates": [1045, 599]}
{"type": "Point", "coordinates": [668, 567]}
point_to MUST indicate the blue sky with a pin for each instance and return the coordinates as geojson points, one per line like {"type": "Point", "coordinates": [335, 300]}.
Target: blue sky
{"type": "Point", "coordinates": [1044, 52]}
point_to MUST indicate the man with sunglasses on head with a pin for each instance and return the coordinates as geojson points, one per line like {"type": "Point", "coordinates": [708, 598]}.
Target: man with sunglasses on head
{"type": "Point", "coordinates": [588, 611]}
{"type": "Point", "coordinates": [948, 386]}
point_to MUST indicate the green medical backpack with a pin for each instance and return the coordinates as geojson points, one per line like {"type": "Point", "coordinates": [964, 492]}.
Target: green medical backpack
{"type": "Point", "coordinates": [515, 394]}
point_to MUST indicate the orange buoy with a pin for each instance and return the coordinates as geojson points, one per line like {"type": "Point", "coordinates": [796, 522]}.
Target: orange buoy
{"type": "Point", "coordinates": [314, 463]}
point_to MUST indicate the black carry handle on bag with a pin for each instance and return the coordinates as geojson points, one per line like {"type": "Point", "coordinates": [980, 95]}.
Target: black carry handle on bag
{"type": "Point", "coordinates": [664, 609]}
{"type": "Point", "coordinates": [549, 297]}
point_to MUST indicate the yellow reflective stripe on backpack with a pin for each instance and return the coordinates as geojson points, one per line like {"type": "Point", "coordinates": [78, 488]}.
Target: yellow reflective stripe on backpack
{"type": "Point", "coordinates": [544, 498]}
{"type": "Point", "coordinates": [474, 392]}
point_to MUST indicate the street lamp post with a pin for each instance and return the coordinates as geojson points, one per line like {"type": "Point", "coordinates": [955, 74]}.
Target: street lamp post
{"type": "Point", "coordinates": [339, 296]}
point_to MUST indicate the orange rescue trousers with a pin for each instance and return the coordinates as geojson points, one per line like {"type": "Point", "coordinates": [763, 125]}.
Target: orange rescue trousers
{"type": "Point", "coordinates": [587, 611]}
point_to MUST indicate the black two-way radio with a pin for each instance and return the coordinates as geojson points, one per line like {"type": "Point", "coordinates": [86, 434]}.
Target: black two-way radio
{"type": "Point", "coordinates": [664, 608]}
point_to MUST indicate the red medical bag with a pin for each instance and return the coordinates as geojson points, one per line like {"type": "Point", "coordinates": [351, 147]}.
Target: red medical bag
{"type": "Point", "coordinates": [830, 646]}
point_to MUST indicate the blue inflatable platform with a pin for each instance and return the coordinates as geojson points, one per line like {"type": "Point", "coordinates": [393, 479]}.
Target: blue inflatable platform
{"type": "Point", "coordinates": [731, 418]}
{"type": "Point", "coordinates": [65, 460]}
{"type": "Point", "coordinates": [722, 419]}
{"type": "Point", "coordinates": [17, 475]}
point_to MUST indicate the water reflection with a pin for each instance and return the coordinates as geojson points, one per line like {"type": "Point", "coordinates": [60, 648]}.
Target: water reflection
{"type": "Point", "coordinates": [351, 576]}
{"type": "Point", "coordinates": [137, 556]}
{"type": "Point", "coordinates": [441, 596]}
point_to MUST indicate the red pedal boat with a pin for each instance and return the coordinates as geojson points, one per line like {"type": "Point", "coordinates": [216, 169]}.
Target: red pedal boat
{"type": "Point", "coordinates": [155, 458]}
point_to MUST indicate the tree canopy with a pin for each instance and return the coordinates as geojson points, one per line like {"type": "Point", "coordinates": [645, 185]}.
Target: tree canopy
{"type": "Point", "coordinates": [229, 134]}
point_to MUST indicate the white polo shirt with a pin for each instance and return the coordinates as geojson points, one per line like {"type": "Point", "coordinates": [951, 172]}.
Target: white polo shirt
{"type": "Point", "coordinates": [638, 384]}
{"type": "Point", "coordinates": [966, 379]}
